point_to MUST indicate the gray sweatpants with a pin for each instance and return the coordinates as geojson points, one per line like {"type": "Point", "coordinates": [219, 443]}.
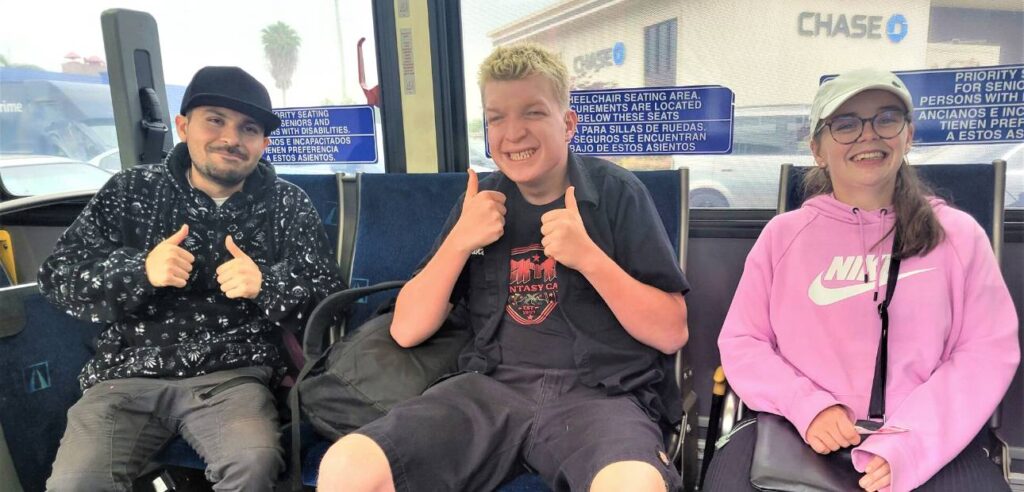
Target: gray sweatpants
{"type": "Point", "coordinates": [229, 417]}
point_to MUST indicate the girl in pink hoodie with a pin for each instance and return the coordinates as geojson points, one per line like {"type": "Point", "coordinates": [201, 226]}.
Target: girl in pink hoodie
{"type": "Point", "coordinates": [803, 330]}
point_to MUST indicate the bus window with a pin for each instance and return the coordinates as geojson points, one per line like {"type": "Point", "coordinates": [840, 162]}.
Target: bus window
{"type": "Point", "coordinates": [770, 54]}
{"type": "Point", "coordinates": [55, 100]}
{"type": "Point", "coordinates": [21, 175]}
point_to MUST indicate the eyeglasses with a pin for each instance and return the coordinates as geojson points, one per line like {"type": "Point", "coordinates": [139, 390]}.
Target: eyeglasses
{"type": "Point", "coordinates": [847, 129]}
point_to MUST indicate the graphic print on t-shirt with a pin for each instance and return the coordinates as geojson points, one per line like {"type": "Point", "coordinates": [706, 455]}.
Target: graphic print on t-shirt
{"type": "Point", "coordinates": [532, 285]}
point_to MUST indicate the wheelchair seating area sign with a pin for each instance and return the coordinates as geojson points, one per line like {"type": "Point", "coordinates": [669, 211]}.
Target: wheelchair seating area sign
{"type": "Point", "coordinates": [653, 121]}
{"type": "Point", "coordinates": [323, 135]}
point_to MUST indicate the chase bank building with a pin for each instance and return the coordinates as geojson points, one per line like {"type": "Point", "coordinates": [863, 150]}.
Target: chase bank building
{"type": "Point", "coordinates": [767, 52]}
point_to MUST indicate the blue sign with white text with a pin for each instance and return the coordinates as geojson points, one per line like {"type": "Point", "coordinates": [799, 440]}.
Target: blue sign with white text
{"type": "Point", "coordinates": [652, 121]}
{"type": "Point", "coordinates": [324, 135]}
{"type": "Point", "coordinates": [966, 105]}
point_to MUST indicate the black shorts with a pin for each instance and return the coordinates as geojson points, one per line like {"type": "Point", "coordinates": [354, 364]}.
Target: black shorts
{"type": "Point", "coordinates": [475, 431]}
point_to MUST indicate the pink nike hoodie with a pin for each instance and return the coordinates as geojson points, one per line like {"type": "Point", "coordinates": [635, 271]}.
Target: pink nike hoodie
{"type": "Point", "coordinates": [803, 330]}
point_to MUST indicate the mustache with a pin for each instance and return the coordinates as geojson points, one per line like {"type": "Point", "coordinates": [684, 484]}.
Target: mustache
{"type": "Point", "coordinates": [236, 150]}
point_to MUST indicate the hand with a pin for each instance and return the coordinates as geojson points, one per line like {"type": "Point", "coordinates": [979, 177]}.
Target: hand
{"type": "Point", "coordinates": [239, 277]}
{"type": "Point", "coordinates": [878, 475]}
{"type": "Point", "coordinates": [168, 264]}
{"type": "Point", "coordinates": [483, 217]}
{"type": "Point", "coordinates": [831, 430]}
{"type": "Point", "coordinates": [564, 237]}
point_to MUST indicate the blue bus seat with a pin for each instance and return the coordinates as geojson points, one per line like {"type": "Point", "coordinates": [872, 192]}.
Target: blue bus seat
{"type": "Point", "coordinates": [415, 207]}
{"type": "Point", "coordinates": [978, 189]}
{"type": "Point", "coordinates": [974, 188]}
{"type": "Point", "coordinates": [5, 278]}
{"type": "Point", "coordinates": [39, 366]}
{"type": "Point", "coordinates": [398, 219]}
{"type": "Point", "coordinates": [323, 191]}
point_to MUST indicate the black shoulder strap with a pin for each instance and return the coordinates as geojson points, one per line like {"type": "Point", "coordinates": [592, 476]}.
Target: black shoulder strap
{"type": "Point", "coordinates": [876, 410]}
{"type": "Point", "coordinates": [153, 127]}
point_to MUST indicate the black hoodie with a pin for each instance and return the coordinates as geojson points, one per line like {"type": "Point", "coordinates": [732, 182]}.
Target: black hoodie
{"type": "Point", "coordinates": [97, 272]}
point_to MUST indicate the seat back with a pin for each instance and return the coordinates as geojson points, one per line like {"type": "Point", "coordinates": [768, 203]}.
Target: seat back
{"type": "Point", "coordinates": [323, 191]}
{"type": "Point", "coordinates": [668, 190]}
{"type": "Point", "coordinates": [978, 189]}
{"type": "Point", "coordinates": [398, 218]}
{"type": "Point", "coordinates": [39, 366]}
{"type": "Point", "coordinates": [5, 278]}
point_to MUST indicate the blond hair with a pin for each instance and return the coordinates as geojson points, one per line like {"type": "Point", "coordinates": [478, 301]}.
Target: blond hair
{"type": "Point", "coordinates": [519, 61]}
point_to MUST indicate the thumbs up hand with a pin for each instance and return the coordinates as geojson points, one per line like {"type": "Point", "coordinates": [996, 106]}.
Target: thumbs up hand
{"type": "Point", "coordinates": [483, 217]}
{"type": "Point", "coordinates": [239, 277]}
{"type": "Point", "coordinates": [565, 238]}
{"type": "Point", "coordinates": [168, 264]}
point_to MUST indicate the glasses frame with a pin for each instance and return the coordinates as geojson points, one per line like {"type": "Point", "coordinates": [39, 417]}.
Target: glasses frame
{"type": "Point", "coordinates": [863, 124]}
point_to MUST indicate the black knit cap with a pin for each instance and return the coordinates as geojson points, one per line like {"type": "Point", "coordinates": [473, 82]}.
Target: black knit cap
{"type": "Point", "coordinates": [232, 88]}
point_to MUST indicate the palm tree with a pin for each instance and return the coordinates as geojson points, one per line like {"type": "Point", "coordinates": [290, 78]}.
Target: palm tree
{"type": "Point", "coordinates": [281, 47]}
{"type": "Point", "coordinates": [6, 63]}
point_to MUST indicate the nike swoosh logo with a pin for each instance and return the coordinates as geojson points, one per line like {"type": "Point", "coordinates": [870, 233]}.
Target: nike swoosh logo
{"type": "Point", "coordinates": [823, 296]}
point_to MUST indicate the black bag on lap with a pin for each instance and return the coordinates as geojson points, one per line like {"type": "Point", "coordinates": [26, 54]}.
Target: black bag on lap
{"type": "Point", "coordinates": [360, 378]}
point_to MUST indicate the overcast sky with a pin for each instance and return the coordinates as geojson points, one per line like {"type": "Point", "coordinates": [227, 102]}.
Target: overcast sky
{"type": "Point", "coordinates": [196, 33]}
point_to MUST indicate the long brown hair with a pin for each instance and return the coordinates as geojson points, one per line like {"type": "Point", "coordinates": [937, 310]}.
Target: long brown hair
{"type": "Point", "coordinates": [920, 231]}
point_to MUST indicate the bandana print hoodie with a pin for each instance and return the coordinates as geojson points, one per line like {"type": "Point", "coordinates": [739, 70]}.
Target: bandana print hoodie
{"type": "Point", "coordinates": [803, 330]}
{"type": "Point", "coordinates": [97, 272]}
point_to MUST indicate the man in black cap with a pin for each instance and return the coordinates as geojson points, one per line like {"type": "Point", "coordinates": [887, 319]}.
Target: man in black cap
{"type": "Point", "coordinates": [193, 264]}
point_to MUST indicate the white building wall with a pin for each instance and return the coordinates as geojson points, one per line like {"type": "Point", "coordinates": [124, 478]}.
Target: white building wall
{"type": "Point", "coordinates": [755, 51]}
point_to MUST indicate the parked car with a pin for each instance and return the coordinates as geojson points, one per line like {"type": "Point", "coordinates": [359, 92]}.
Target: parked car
{"type": "Point", "coordinates": [478, 160]}
{"type": "Point", "coordinates": [55, 117]}
{"type": "Point", "coordinates": [109, 160]}
{"type": "Point", "coordinates": [764, 137]}
{"type": "Point", "coordinates": [30, 175]}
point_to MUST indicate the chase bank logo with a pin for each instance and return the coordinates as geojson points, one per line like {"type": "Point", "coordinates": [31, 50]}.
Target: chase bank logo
{"type": "Point", "coordinates": [37, 377]}
{"type": "Point", "coordinates": [896, 28]}
{"type": "Point", "coordinates": [596, 60]}
{"type": "Point", "coordinates": [851, 26]}
{"type": "Point", "coordinates": [619, 53]}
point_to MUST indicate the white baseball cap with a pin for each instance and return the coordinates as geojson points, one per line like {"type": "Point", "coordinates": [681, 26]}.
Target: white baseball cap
{"type": "Point", "coordinates": [840, 89]}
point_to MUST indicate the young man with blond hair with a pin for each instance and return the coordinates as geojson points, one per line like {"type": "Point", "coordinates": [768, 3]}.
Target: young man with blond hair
{"type": "Point", "coordinates": [575, 299]}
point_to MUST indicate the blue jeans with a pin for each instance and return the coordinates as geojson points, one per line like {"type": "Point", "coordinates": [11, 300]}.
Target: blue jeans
{"type": "Point", "coordinates": [228, 417]}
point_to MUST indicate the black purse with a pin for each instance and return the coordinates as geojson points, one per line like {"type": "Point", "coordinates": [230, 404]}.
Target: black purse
{"type": "Point", "coordinates": [783, 462]}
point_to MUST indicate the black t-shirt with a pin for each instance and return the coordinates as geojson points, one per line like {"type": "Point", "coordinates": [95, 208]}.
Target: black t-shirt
{"type": "Point", "coordinates": [533, 332]}
{"type": "Point", "coordinates": [622, 220]}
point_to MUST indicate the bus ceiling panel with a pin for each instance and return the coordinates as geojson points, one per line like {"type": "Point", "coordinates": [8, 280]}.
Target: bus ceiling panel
{"type": "Point", "coordinates": [137, 89]}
